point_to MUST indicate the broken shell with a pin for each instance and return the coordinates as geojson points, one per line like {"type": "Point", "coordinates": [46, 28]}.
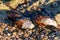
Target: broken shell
{"type": "Point", "coordinates": [57, 18]}
{"type": "Point", "coordinates": [24, 24]}
{"type": "Point", "coordinates": [44, 20]}
{"type": "Point", "coordinates": [49, 21]}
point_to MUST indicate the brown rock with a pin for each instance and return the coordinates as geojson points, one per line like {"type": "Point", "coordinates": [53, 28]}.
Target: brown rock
{"type": "Point", "coordinates": [12, 15]}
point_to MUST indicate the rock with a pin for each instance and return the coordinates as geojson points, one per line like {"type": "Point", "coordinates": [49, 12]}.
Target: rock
{"type": "Point", "coordinates": [24, 24]}
{"type": "Point", "coordinates": [57, 18]}
{"type": "Point", "coordinates": [50, 1]}
{"type": "Point", "coordinates": [42, 1]}
{"type": "Point", "coordinates": [2, 26]}
{"type": "Point", "coordinates": [3, 6]}
{"type": "Point", "coordinates": [22, 10]}
{"type": "Point", "coordinates": [34, 6]}
{"type": "Point", "coordinates": [14, 3]}
{"type": "Point", "coordinates": [12, 15]}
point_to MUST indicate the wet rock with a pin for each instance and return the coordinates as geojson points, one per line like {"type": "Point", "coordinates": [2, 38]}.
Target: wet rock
{"type": "Point", "coordinates": [12, 15]}
{"type": "Point", "coordinates": [24, 24]}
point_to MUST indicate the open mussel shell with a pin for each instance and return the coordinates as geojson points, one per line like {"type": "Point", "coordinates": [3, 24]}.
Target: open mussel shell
{"type": "Point", "coordinates": [24, 23]}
